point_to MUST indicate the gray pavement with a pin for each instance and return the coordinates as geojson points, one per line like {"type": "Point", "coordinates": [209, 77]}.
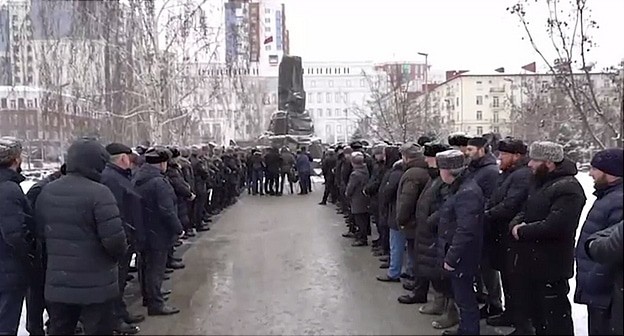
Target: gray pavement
{"type": "Point", "coordinates": [279, 266]}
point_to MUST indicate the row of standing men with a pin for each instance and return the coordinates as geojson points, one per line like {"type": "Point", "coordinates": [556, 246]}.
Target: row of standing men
{"type": "Point", "coordinates": [477, 230]}
{"type": "Point", "coordinates": [67, 244]}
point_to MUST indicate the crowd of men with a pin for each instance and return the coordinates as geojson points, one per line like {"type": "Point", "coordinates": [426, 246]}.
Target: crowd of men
{"type": "Point", "coordinates": [268, 172]}
{"type": "Point", "coordinates": [66, 246]}
{"type": "Point", "coordinates": [477, 230]}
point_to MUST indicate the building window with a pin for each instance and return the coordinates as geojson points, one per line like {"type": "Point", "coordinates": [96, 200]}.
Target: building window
{"type": "Point", "coordinates": [338, 97]}
{"type": "Point", "coordinates": [339, 129]}
{"type": "Point", "coordinates": [495, 101]}
{"type": "Point", "coordinates": [329, 113]}
{"type": "Point", "coordinates": [457, 101]}
{"type": "Point", "coordinates": [267, 10]}
{"type": "Point", "coordinates": [479, 115]}
{"type": "Point", "coordinates": [362, 82]}
{"type": "Point", "coordinates": [495, 117]}
{"type": "Point", "coordinates": [267, 29]}
{"type": "Point", "coordinates": [328, 97]}
{"type": "Point", "coordinates": [479, 83]}
{"type": "Point", "coordinates": [479, 100]}
{"type": "Point", "coordinates": [346, 97]}
{"type": "Point", "coordinates": [495, 129]}
{"type": "Point", "coordinates": [3, 103]}
{"type": "Point", "coordinates": [337, 111]}
{"type": "Point", "coordinates": [267, 47]}
{"type": "Point", "coordinates": [328, 130]}
{"type": "Point", "coordinates": [13, 104]}
{"type": "Point", "coordinates": [319, 113]}
{"type": "Point", "coordinates": [348, 83]}
{"type": "Point", "coordinates": [319, 98]}
{"type": "Point", "coordinates": [331, 83]}
{"type": "Point", "coordinates": [313, 83]}
{"type": "Point", "coordinates": [267, 20]}
{"type": "Point", "coordinates": [479, 130]}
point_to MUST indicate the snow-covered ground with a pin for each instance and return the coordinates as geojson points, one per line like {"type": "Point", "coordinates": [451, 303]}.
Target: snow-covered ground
{"type": "Point", "coordinates": [579, 312]}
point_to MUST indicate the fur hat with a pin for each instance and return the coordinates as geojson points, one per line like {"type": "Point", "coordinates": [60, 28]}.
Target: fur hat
{"type": "Point", "coordinates": [357, 159]}
{"type": "Point", "coordinates": [609, 161]}
{"type": "Point", "coordinates": [10, 149]}
{"type": "Point", "coordinates": [411, 150]}
{"type": "Point", "coordinates": [423, 140]}
{"type": "Point", "coordinates": [512, 146]}
{"type": "Point", "coordinates": [479, 142]}
{"type": "Point", "coordinates": [157, 155]}
{"type": "Point", "coordinates": [451, 159]}
{"type": "Point", "coordinates": [458, 140]}
{"type": "Point", "coordinates": [431, 149]}
{"type": "Point", "coordinates": [378, 149]}
{"type": "Point", "coordinates": [546, 151]}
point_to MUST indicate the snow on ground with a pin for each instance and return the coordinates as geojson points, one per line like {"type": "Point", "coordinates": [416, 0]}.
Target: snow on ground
{"type": "Point", "coordinates": [579, 312]}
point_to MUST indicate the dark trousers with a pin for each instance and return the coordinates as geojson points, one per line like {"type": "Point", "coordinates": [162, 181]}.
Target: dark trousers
{"type": "Point", "coordinates": [285, 176]}
{"type": "Point", "coordinates": [198, 208]}
{"type": "Point", "coordinates": [155, 265]}
{"type": "Point", "coordinates": [466, 301]}
{"type": "Point", "coordinates": [362, 222]}
{"type": "Point", "coordinates": [11, 310]}
{"type": "Point", "coordinates": [411, 255]}
{"type": "Point", "coordinates": [492, 283]}
{"type": "Point", "coordinates": [384, 237]}
{"type": "Point", "coordinates": [546, 304]}
{"type": "Point", "coordinates": [97, 319]}
{"type": "Point", "coordinates": [599, 321]}
{"type": "Point", "coordinates": [121, 310]}
{"type": "Point", "coordinates": [256, 181]}
{"type": "Point", "coordinates": [330, 190]}
{"type": "Point", "coordinates": [443, 286]}
{"type": "Point", "coordinates": [272, 182]}
{"type": "Point", "coordinates": [35, 303]}
{"type": "Point", "coordinates": [305, 182]}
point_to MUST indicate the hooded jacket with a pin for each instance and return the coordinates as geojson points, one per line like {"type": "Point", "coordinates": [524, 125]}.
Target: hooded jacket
{"type": "Point", "coordinates": [83, 233]}
{"type": "Point", "coordinates": [485, 172]}
{"type": "Point", "coordinates": [355, 190]}
{"type": "Point", "coordinates": [160, 215]}
{"type": "Point", "coordinates": [119, 182]}
{"type": "Point", "coordinates": [412, 183]}
{"type": "Point", "coordinates": [389, 194]}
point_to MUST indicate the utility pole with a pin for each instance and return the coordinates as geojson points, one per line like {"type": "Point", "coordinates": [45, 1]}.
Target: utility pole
{"type": "Point", "coordinates": [426, 86]}
{"type": "Point", "coordinates": [346, 121]}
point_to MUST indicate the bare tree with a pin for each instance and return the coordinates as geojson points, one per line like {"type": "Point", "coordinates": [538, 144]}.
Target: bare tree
{"type": "Point", "coordinates": [569, 29]}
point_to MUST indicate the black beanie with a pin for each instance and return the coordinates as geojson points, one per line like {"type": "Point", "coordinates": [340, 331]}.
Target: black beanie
{"type": "Point", "coordinates": [512, 146]}
{"type": "Point", "coordinates": [423, 140]}
{"type": "Point", "coordinates": [431, 149]}
{"type": "Point", "coordinates": [157, 155]}
{"type": "Point", "coordinates": [458, 140]}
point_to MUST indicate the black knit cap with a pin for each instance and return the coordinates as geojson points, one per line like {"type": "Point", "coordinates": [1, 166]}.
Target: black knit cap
{"type": "Point", "coordinates": [356, 145]}
{"type": "Point", "coordinates": [512, 146]}
{"type": "Point", "coordinates": [479, 142]}
{"type": "Point", "coordinates": [431, 149]}
{"type": "Point", "coordinates": [118, 148]}
{"type": "Point", "coordinates": [175, 152]}
{"type": "Point", "coordinates": [157, 155]}
{"type": "Point", "coordinates": [458, 140]}
{"type": "Point", "coordinates": [423, 140]}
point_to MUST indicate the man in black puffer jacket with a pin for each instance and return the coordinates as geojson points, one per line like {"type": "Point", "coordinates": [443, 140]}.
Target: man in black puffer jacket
{"type": "Point", "coordinates": [542, 249]}
{"type": "Point", "coordinates": [504, 204]}
{"type": "Point", "coordinates": [117, 177]}
{"type": "Point", "coordinates": [391, 155]}
{"type": "Point", "coordinates": [85, 240]}
{"type": "Point", "coordinates": [161, 224]}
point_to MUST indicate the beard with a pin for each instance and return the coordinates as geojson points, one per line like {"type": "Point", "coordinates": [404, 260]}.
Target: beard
{"type": "Point", "coordinates": [541, 173]}
{"type": "Point", "coordinates": [601, 183]}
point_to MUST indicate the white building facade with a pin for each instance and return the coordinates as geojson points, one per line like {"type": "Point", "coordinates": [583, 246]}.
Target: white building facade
{"type": "Point", "coordinates": [336, 97]}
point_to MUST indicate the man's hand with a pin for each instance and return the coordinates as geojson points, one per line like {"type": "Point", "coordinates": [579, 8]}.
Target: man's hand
{"type": "Point", "coordinates": [448, 267]}
{"type": "Point", "coordinates": [514, 230]}
{"type": "Point", "coordinates": [192, 198]}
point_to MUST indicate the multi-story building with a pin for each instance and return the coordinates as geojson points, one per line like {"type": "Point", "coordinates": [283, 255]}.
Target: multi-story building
{"type": "Point", "coordinates": [482, 103]}
{"type": "Point", "coordinates": [336, 97]}
{"type": "Point", "coordinates": [47, 121]}
{"type": "Point", "coordinates": [255, 35]}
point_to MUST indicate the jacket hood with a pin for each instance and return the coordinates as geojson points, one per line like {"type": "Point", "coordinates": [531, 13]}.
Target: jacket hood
{"type": "Point", "coordinates": [146, 173]}
{"type": "Point", "coordinates": [125, 172]}
{"type": "Point", "coordinates": [488, 160]}
{"type": "Point", "coordinates": [418, 162]}
{"type": "Point", "coordinates": [398, 165]}
{"type": "Point", "coordinates": [565, 168]}
{"type": "Point", "coordinates": [392, 155]}
{"type": "Point", "coordinates": [87, 158]}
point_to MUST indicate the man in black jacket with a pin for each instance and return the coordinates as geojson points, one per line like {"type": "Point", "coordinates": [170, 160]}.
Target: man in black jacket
{"type": "Point", "coordinates": [372, 188]}
{"type": "Point", "coordinates": [542, 252]}
{"type": "Point", "coordinates": [14, 249]}
{"type": "Point", "coordinates": [117, 177]}
{"type": "Point", "coordinates": [161, 225]}
{"type": "Point", "coordinates": [327, 168]}
{"type": "Point", "coordinates": [85, 241]}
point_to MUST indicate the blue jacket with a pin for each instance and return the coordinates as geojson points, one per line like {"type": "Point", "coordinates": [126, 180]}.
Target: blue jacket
{"type": "Point", "coordinates": [460, 229]}
{"type": "Point", "coordinates": [303, 163]}
{"type": "Point", "coordinates": [160, 215]}
{"type": "Point", "coordinates": [15, 219]}
{"type": "Point", "coordinates": [593, 280]}
{"type": "Point", "coordinates": [485, 172]}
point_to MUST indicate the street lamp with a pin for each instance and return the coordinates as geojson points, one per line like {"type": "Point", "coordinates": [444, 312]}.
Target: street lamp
{"type": "Point", "coordinates": [426, 55]}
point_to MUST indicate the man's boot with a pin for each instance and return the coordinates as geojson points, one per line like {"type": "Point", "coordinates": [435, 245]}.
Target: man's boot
{"type": "Point", "coordinates": [126, 329]}
{"type": "Point", "coordinates": [435, 307]}
{"type": "Point", "coordinates": [450, 317]}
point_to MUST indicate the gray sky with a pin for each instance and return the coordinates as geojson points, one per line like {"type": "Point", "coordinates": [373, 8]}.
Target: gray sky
{"type": "Point", "coordinates": [479, 35]}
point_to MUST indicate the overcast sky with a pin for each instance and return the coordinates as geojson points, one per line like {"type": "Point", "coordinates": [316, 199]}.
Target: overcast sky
{"type": "Point", "coordinates": [479, 35]}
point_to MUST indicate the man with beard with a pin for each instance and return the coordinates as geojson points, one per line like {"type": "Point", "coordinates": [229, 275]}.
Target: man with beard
{"type": "Point", "coordinates": [593, 280]}
{"type": "Point", "coordinates": [542, 249]}
{"type": "Point", "coordinates": [15, 251]}
{"type": "Point", "coordinates": [85, 241]}
{"type": "Point", "coordinates": [358, 200]}
{"type": "Point", "coordinates": [461, 237]}
{"type": "Point", "coordinates": [504, 204]}
{"type": "Point", "coordinates": [162, 225]}
{"type": "Point", "coordinates": [327, 168]}
{"type": "Point", "coordinates": [117, 177]}
{"type": "Point", "coordinates": [484, 170]}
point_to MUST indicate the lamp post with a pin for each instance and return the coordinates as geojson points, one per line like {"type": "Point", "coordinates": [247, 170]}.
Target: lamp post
{"type": "Point", "coordinates": [346, 121]}
{"type": "Point", "coordinates": [513, 122]}
{"type": "Point", "coordinates": [426, 55]}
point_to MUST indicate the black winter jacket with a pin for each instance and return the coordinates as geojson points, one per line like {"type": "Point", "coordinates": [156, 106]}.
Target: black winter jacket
{"type": "Point", "coordinates": [182, 191]}
{"type": "Point", "coordinates": [15, 226]}
{"type": "Point", "coordinates": [605, 247]}
{"type": "Point", "coordinates": [594, 280]}
{"type": "Point", "coordinates": [354, 192]}
{"type": "Point", "coordinates": [201, 175]}
{"type": "Point", "coordinates": [84, 234]}
{"type": "Point", "coordinates": [485, 172]}
{"type": "Point", "coordinates": [389, 194]}
{"type": "Point", "coordinates": [505, 203]}
{"type": "Point", "coordinates": [545, 250]}
{"type": "Point", "coordinates": [160, 214]}
{"type": "Point", "coordinates": [412, 183]}
{"type": "Point", "coordinates": [461, 227]}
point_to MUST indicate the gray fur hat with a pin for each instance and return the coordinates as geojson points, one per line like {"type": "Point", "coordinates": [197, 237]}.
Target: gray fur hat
{"type": "Point", "coordinates": [411, 150]}
{"type": "Point", "coordinates": [451, 159]}
{"type": "Point", "coordinates": [546, 151]}
{"type": "Point", "coordinates": [10, 149]}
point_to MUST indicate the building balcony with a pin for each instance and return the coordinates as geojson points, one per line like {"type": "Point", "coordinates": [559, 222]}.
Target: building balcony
{"type": "Point", "coordinates": [497, 89]}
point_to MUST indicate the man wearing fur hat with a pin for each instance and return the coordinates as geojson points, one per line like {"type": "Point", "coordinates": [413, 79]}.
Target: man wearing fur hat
{"type": "Point", "coordinates": [460, 239]}
{"type": "Point", "coordinates": [542, 249]}
{"type": "Point", "coordinates": [593, 280]}
{"type": "Point", "coordinates": [358, 200]}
